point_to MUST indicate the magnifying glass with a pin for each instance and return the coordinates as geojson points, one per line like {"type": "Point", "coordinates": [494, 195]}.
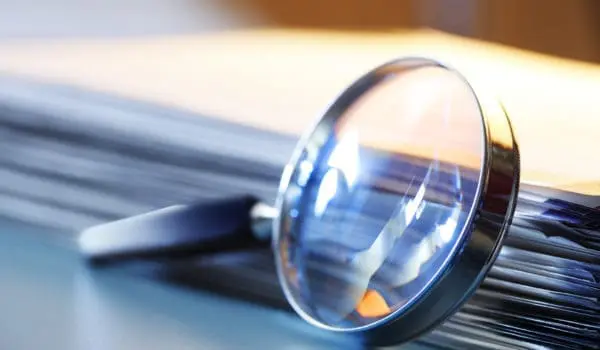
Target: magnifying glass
{"type": "Point", "coordinates": [398, 206]}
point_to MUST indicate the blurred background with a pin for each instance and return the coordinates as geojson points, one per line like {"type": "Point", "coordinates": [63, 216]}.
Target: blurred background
{"type": "Point", "coordinates": [80, 78]}
{"type": "Point", "coordinates": [111, 108]}
{"type": "Point", "coordinates": [568, 29]}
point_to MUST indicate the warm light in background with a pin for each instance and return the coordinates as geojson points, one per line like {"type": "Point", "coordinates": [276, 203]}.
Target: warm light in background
{"type": "Point", "coordinates": [282, 80]}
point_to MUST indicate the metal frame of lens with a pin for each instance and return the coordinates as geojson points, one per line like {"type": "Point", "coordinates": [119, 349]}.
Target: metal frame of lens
{"type": "Point", "coordinates": [482, 236]}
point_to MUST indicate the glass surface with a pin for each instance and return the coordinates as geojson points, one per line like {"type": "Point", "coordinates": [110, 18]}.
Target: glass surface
{"type": "Point", "coordinates": [375, 207]}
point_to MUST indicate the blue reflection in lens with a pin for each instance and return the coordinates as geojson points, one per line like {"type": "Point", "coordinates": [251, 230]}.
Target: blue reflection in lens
{"type": "Point", "coordinates": [369, 237]}
{"type": "Point", "coordinates": [372, 221]}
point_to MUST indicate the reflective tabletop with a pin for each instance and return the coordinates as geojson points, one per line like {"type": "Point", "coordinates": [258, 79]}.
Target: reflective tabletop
{"type": "Point", "coordinates": [50, 300]}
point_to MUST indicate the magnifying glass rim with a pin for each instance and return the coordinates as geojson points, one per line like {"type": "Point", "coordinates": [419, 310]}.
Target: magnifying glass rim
{"type": "Point", "coordinates": [489, 216]}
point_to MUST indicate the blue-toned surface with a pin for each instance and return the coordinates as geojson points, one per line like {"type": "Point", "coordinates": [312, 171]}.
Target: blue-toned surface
{"type": "Point", "coordinates": [50, 300]}
{"type": "Point", "coordinates": [378, 216]}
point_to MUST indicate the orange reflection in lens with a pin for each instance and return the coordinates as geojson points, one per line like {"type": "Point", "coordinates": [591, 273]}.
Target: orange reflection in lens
{"type": "Point", "coordinates": [373, 305]}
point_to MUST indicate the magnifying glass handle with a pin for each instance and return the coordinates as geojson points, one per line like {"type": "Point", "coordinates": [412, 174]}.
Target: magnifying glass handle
{"type": "Point", "coordinates": [204, 227]}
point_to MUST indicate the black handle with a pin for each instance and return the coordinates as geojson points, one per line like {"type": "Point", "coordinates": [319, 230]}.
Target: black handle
{"type": "Point", "coordinates": [209, 226]}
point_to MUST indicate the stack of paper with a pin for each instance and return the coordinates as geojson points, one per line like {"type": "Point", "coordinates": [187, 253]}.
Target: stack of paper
{"type": "Point", "coordinates": [72, 158]}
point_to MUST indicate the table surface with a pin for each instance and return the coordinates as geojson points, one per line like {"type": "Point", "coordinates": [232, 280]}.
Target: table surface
{"type": "Point", "coordinates": [50, 300]}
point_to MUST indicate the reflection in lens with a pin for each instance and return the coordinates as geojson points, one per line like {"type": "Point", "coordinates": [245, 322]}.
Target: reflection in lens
{"type": "Point", "coordinates": [370, 218]}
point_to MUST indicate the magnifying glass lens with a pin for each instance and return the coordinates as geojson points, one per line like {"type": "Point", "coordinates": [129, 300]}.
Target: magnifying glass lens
{"type": "Point", "coordinates": [380, 197]}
